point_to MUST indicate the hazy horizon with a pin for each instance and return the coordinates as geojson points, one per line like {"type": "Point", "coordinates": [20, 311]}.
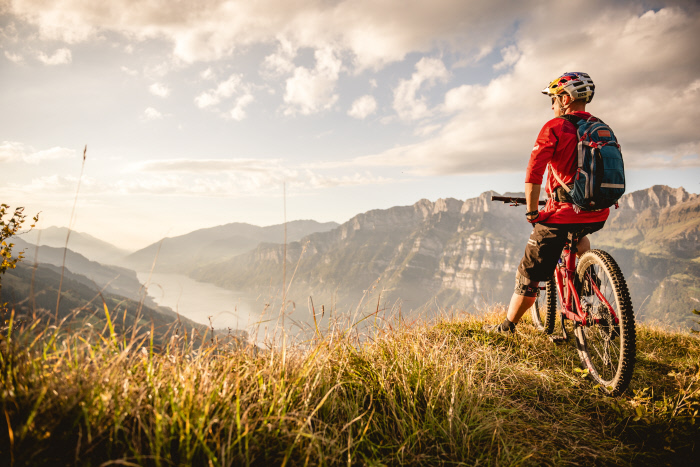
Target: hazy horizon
{"type": "Point", "coordinates": [131, 248]}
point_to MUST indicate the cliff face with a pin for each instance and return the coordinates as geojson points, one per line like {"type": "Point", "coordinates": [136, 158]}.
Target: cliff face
{"type": "Point", "coordinates": [463, 253]}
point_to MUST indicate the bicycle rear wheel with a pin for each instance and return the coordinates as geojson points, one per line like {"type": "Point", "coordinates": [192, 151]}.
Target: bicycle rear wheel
{"type": "Point", "coordinates": [544, 310]}
{"type": "Point", "coordinates": [605, 345]}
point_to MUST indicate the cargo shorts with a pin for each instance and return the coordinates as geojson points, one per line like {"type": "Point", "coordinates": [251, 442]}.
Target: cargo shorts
{"type": "Point", "coordinates": [544, 248]}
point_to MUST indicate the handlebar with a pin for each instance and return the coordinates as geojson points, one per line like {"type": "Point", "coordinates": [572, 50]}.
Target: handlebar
{"type": "Point", "coordinates": [513, 200]}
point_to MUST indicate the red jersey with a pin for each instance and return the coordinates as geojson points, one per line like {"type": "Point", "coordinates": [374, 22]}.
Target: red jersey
{"type": "Point", "coordinates": [556, 144]}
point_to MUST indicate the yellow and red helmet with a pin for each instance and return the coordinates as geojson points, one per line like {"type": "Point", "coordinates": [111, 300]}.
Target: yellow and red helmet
{"type": "Point", "coordinates": [577, 85]}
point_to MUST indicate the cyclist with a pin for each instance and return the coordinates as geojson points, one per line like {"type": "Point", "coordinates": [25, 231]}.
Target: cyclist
{"type": "Point", "coordinates": [555, 149]}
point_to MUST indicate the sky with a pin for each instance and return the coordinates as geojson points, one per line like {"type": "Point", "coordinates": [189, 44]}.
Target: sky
{"type": "Point", "coordinates": [198, 114]}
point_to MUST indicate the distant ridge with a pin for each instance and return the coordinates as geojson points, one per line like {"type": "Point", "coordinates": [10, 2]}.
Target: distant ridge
{"type": "Point", "coordinates": [85, 244]}
{"type": "Point", "coordinates": [186, 252]}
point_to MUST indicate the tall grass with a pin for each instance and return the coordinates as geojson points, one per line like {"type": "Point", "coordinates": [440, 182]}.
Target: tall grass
{"type": "Point", "coordinates": [420, 394]}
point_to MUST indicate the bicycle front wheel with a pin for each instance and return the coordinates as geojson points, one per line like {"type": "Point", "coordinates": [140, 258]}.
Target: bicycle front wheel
{"type": "Point", "coordinates": [544, 310]}
{"type": "Point", "coordinates": [607, 342]}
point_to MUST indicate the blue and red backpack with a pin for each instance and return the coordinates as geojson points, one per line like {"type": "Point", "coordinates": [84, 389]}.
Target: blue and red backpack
{"type": "Point", "coordinates": [599, 181]}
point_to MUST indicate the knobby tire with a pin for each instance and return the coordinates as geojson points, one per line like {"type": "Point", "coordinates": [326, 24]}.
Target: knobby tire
{"type": "Point", "coordinates": [544, 311]}
{"type": "Point", "coordinates": [606, 350]}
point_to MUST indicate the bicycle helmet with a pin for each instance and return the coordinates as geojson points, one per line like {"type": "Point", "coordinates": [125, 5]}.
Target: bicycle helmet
{"type": "Point", "coordinates": [577, 85]}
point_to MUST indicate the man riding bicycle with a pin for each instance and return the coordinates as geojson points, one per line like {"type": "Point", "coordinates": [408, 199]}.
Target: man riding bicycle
{"type": "Point", "coordinates": [555, 149]}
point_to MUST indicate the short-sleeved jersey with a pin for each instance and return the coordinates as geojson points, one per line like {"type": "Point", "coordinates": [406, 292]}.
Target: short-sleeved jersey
{"type": "Point", "coordinates": [556, 144]}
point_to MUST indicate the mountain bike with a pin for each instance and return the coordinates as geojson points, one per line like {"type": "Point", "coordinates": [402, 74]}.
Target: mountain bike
{"type": "Point", "coordinates": [596, 303]}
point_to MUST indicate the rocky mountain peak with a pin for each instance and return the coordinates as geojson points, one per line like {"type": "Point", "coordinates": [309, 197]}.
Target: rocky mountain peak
{"type": "Point", "coordinates": [657, 196]}
{"type": "Point", "coordinates": [447, 205]}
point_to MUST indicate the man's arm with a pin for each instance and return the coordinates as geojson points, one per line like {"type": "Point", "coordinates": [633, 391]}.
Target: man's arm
{"type": "Point", "coordinates": [532, 196]}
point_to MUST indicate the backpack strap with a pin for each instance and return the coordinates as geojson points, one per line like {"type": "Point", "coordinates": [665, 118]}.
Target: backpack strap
{"type": "Point", "coordinates": [556, 177]}
{"type": "Point", "coordinates": [575, 119]}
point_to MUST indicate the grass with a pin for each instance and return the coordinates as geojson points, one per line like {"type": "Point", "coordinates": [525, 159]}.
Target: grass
{"type": "Point", "coordinates": [421, 394]}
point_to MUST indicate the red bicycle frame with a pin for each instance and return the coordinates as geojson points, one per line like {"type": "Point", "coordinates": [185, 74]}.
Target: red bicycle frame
{"type": "Point", "coordinates": [564, 275]}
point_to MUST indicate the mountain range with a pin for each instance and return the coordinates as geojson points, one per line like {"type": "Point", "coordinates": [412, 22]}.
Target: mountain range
{"type": "Point", "coordinates": [444, 254]}
{"type": "Point", "coordinates": [453, 253]}
{"type": "Point", "coordinates": [79, 242]}
{"type": "Point", "coordinates": [184, 253]}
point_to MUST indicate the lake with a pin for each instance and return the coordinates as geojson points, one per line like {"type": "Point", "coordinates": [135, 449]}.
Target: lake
{"type": "Point", "coordinates": [201, 301]}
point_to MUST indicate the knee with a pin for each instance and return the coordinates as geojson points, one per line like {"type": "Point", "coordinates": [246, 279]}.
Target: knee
{"type": "Point", "coordinates": [583, 246]}
{"type": "Point", "coordinates": [524, 286]}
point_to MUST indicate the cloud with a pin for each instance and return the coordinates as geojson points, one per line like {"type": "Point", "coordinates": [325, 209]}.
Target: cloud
{"type": "Point", "coordinates": [224, 90]}
{"type": "Point", "coordinates": [233, 86]}
{"type": "Point", "coordinates": [151, 114]}
{"type": "Point", "coordinates": [312, 90]}
{"type": "Point", "coordinates": [363, 107]}
{"type": "Point", "coordinates": [213, 29]}
{"type": "Point", "coordinates": [406, 103]}
{"type": "Point", "coordinates": [13, 57]}
{"type": "Point", "coordinates": [207, 74]}
{"type": "Point", "coordinates": [647, 89]}
{"type": "Point", "coordinates": [281, 62]}
{"type": "Point", "coordinates": [238, 111]}
{"type": "Point", "coordinates": [50, 154]}
{"type": "Point", "coordinates": [129, 71]}
{"type": "Point", "coordinates": [510, 55]}
{"type": "Point", "coordinates": [232, 177]}
{"type": "Point", "coordinates": [159, 89]}
{"type": "Point", "coordinates": [316, 180]}
{"type": "Point", "coordinates": [207, 165]}
{"type": "Point", "coordinates": [11, 151]}
{"type": "Point", "coordinates": [60, 57]}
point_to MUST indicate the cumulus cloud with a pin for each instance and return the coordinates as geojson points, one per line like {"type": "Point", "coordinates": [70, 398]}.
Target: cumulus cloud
{"type": "Point", "coordinates": [151, 114]}
{"type": "Point", "coordinates": [238, 111]}
{"type": "Point", "coordinates": [313, 90]}
{"type": "Point", "coordinates": [645, 64]}
{"type": "Point", "coordinates": [407, 104]}
{"type": "Point", "coordinates": [13, 57]}
{"type": "Point", "coordinates": [510, 55]}
{"type": "Point", "coordinates": [210, 30]}
{"type": "Point", "coordinates": [233, 87]}
{"type": "Point", "coordinates": [224, 90]}
{"type": "Point", "coordinates": [207, 74]}
{"type": "Point", "coordinates": [159, 89]}
{"type": "Point", "coordinates": [60, 57]}
{"type": "Point", "coordinates": [281, 62]}
{"type": "Point", "coordinates": [363, 107]}
{"type": "Point", "coordinates": [49, 154]}
{"type": "Point", "coordinates": [646, 90]}
{"type": "Point", "coordinates": [129, 71]}
{"type": "Point", "coordinates": [11, 151]}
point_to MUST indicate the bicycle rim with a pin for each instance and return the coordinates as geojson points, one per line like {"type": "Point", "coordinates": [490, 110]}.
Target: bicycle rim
{"type": "Point", "coordinates": [543, 312]}
{"type": "Point", "coordinates": [606, 347]}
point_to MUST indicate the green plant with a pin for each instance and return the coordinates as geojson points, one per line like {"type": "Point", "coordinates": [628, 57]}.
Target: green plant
{"type": "Point", "coordinates": [8, 229]}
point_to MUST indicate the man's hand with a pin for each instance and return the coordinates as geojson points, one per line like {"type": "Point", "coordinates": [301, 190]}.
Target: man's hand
{"type": "Point", "coordinates": [533, 217]}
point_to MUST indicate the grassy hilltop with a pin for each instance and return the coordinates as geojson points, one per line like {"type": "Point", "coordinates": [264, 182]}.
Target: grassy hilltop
{"type": "Point", "coordinates": [440, 394]}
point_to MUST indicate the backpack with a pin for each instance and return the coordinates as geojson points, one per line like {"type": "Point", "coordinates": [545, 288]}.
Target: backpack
{"type": "Point", "coordinates": [600, 172]}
